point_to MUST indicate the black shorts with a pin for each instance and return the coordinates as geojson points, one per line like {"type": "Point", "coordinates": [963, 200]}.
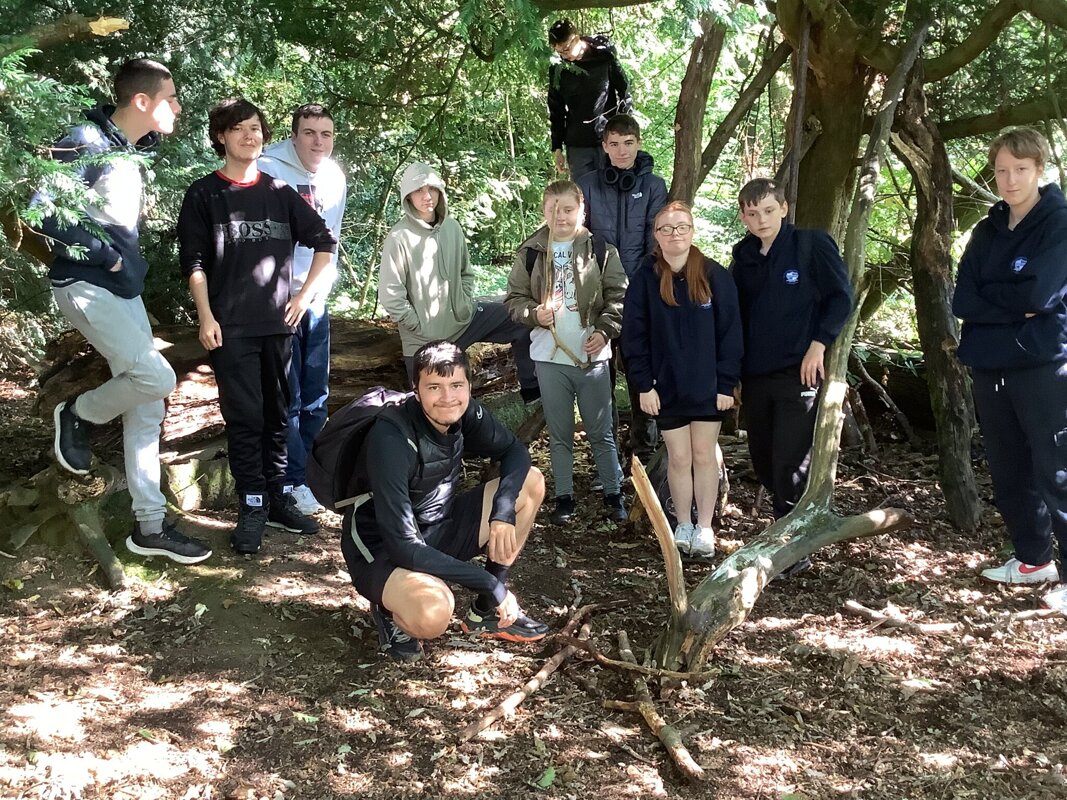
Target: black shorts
{"type": "Point", "coordinates": [457, 537]}
{"type": "Point", "coordinates": [670, 423]}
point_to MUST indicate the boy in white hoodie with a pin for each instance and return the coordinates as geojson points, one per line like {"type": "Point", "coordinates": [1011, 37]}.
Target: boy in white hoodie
{"type": "Point", "coordinates": [303, 161]}
{"type": "Point", "coordinates": [426, 283]}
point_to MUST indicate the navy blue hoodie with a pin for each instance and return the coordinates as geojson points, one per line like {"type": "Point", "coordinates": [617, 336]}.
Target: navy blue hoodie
{"type": "Point", "coordinates": [688, 353]}
{"type": "Point", "coordinates": [787, 303]}
{"type": "Point", "coordinates": [621, 206]}
{"type": "Point", "coordinates": [118, 182]}
{"type": "Point", "coordinates": [1005, 274]}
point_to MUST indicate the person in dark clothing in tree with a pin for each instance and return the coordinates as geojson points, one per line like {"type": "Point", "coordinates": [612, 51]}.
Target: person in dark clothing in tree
{"type": "Point", "coordinates": [99, 292]}
{"type": "Point", "coordinates": [236, 232]}
{"type": "Point", "coordinates": [795, 298]}
{"type": "Point", "coordinates": [585, 89]}
{"type": "Point", "coordinates": [1010, 294]}
{"type": "Point", "coordinates": [622, 199]}
{"type": "Point", "coordinates": [414, 532]}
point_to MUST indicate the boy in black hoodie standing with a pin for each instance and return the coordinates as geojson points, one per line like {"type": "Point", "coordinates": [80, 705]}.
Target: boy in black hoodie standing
{"type": "Point", "coordinates": [585, 89]}
{"type": "Point", "coordinates": [236, 232]}
{"type": "Point", "coordinates": [97, 283]}
{"type": "Point", "coordinates": [1010, 292]}
{"type": "Point", "coordinates": [795, 298]}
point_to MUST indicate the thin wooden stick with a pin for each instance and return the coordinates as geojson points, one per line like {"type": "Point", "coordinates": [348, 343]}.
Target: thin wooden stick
{"type": "Point", "coordinates": [628, 665]}
{"type": "Point", "coordinates": [668, 735]}
{"type": "Point", "coordinates": [512, 701]}
{"type": "Point", "coordinates": [662, 528]}
{"type": "Point", "coordinates": [893, 621]}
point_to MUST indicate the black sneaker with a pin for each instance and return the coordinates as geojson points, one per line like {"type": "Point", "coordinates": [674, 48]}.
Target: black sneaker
{"type": "Point", "coordinates": [523, 629]}
{"type": "Point", "coordinates": [247, 537]}
{"type": "Point", "coordinates": [530, 394]}
{"type": "Point", "coordinates": [72, 439]}
{"type": "Point", "coordinates": [616, 507]}
{"type": "Point", "coordinates": [168, 543]}
{"type": "Point", "coordinates": [285, 515]}
{"type": "Point", "coordinates": [795, 569]}
{"type": "Point", "coordinates": [563, 511]}
{"type": "Point", "coordinates": [392, 639]}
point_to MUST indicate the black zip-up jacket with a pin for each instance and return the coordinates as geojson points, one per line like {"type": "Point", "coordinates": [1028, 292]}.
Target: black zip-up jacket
{"type": "Point", "coordinates": [621, 206]}
{"type": "Point", "coordinates": [118, 181]}
{"type": "Point", "coordinates": [584, 94]}
{"type": "Point", "coordinates": [242, 237]}
{"type": "Point", "coordinates": [688, 353]}
{"type": "Point", "coordinates": [786, 302]}
{"type": "Point", "coordinates": [412, 491]}
{"type": "Point", "coordinates": [1006, 274]}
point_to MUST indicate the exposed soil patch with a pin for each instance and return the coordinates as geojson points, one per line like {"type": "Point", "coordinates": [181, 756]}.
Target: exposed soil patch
{"type": "Point", "coordinates": [260, 677]}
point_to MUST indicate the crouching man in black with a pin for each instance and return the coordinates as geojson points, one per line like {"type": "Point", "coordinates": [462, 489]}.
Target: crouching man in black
{"type": "Point", "coordinates": [414, 532]}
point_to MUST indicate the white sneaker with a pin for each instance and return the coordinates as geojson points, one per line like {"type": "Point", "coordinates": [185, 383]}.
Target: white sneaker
{"type": "Point", "coordinates": [305, 500]}
{"type": "Point", "coordinates": [1057, 599]}
{"type": "Point", "coordinates": [683, 536]}
{"type": "Point", "coordinates": [1015, 571]}
{"type": "Point", "coordinates": [703, 542]}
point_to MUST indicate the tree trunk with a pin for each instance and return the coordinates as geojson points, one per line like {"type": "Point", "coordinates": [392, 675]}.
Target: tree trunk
{"type": "Point", "coordinates": [724, 599]}
{"type": "Point", "coordinates": [922, 150]}
{"type": "Point", "coordinates": [692, 105]}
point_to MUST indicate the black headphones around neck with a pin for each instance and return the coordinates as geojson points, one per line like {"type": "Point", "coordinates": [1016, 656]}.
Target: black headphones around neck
{"type": "Point", "coordinates": [624, 178]}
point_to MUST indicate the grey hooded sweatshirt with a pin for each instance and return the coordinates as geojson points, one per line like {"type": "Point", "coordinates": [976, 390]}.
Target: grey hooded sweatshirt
{"type": "Point", "coordinates": [426, 284]}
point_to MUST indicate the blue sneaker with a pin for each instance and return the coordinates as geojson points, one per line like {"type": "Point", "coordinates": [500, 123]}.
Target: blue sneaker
{"type": "Point", "coordinates": [393, 640]}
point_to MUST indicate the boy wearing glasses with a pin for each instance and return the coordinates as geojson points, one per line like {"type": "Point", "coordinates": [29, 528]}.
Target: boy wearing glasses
{"type": "Point", "coordinates": [622, 199]}
{"type": "Point", "coordinates": [795, 297]}
{"type": "Point", "coordinates": [585, 88]}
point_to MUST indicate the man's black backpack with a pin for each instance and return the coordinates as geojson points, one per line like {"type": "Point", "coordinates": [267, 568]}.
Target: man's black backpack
{"type": "Point", "coordinates": [600, 252]}
{"type": "Point", "coordinates": [333, 472]}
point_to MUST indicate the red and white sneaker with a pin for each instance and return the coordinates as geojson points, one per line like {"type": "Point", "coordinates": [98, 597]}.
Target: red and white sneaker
{"type": "Point", "coordinates": [1015, 571]}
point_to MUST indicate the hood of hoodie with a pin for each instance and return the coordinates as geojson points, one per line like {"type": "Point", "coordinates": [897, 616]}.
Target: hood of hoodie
{"type": "Point", "coordinates": [415, 177]}
{"type": "Point", "coordinates": [599, 49]}
{"type": "Point", "coordinates": [1051, 201]}
{"type": "Point", "coordinates": [101, 117]}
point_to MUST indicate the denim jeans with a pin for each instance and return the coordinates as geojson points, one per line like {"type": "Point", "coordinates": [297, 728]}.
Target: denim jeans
{"type": "Point", "coordinates": [309, 377]}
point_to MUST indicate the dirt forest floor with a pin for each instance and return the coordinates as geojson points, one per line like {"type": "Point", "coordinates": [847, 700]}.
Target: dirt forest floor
{"type": "Point", "coordinates": [250, 678]}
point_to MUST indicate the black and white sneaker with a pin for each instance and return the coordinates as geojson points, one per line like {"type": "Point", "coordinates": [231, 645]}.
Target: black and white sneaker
{"type": "Point", "coordinates": [247, 537]}
{"type": "Point", "coordinates": [72, 439]}
{"type": "Point", "coordinates": [392, 639]}
{"type": "Point", "coordinates": [168, 543]}
{"type": "Point", "coordinates": [284, 514]}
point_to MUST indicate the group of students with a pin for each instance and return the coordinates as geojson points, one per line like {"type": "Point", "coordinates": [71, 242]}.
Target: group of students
{"type": "Point", "coordinates": [611, 281]}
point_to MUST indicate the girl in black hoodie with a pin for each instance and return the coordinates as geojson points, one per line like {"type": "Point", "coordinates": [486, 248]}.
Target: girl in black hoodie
{"type": "Point", "coordinates": [681, 337]}
{"type": "Point", "coordinates": [1010, 293]}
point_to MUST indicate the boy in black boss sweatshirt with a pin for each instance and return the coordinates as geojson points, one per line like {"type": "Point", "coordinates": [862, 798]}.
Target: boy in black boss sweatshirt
{"type": "Point", "coordinates": [795, 297]}
{"type": "Point", "coordinates": [236, 232]}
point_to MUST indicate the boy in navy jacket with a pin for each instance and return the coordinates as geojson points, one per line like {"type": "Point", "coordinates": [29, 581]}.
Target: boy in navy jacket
{"type": "Point", "coordinates": [622, 199]}
{"type": "Point", "coordinates": [795, 297]}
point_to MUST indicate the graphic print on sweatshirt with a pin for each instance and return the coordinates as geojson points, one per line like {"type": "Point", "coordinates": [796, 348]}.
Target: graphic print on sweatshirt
{"type": "Point", "coordinates": [307, 191]}
{"type": "Point", "coordinates": [236, 231]}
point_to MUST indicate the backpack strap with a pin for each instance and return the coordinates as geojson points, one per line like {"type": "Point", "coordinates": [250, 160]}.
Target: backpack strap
{"type": "Point", "coordinates": [531, 260]}
{"type": "Point", "coordinates": [600, 251]}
